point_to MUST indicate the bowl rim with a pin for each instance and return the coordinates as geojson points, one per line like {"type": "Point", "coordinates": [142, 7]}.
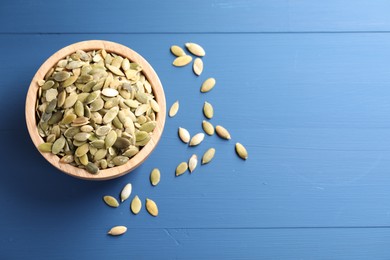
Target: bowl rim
{"type": "Point", "coordinates": [111, 47]}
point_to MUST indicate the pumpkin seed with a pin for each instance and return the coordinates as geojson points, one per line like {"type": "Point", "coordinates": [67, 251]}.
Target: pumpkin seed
{"type": "Point", "coordinates": [197, 139]}
{"type": "Point", "coordinates": [192, 162]}
{"type": "Point", "coordinates": [111, 201]}
{"type": "Point", "coordinates": [195, 49]}
{"type": "Point", "coordinates": [241, 151]}
{"type": "Point", "coordinates": [174, 109]}
{"type": "Point", "coordinates": [117, 231]}
{"type": "Point", "coordinates": [198, 66]}
{"type": "Point", "coordinates": [61, 76]}
{"type": "Point", "coordinates": [181, 168]}
{"type": "Point", "coordinates": [184, 135]}
{"type": "Point", "coordinates": [148, 127]}
{"type": "Point", "coordinates": [208, 128]}
{"type": "Point", "coordinates": [208, 85]}
{"type": "Point", "coordinates": [82, 150]}
{"type": "Point", "coordinates": [208, 110]}
{"type": "Point", "coordinates": [151, 207]}
{"type": "Point", "coordinates": [115, 70]}
{"type": "Point", "coordinates": [182, 61]}
{"type": "Point", "coordinates": [177, 51]}
{"type": "Point", "coordinates": [208, 156]}
{"type": "Point", "coordinates": [58, 145]}
{"type": "Point", "coordinates": [222, 132]}
{"type": "Point", "coordinates": [45, 147]}
{"type": "Point", "coordinates": [136, 205]}
{"type": "Point", "coordinates": [92, 168]}
{"type": "Point", "coordinates": [110, 92]}
{"type": "Point", "coordinates": [126, 191]}
{"type": "Point", "coordinates": [155, 176]}
{"type": "Point", "coordinates": [110, 138]}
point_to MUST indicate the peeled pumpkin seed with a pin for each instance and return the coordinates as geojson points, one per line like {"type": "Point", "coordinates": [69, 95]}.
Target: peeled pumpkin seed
{"type": "Point", "coordinates": [208, 110]}
{"type": "Point", "coordinates": [174, 109]}
{"type": "Point", "coordinates": [181, 168]}
{"type": "Point", "coordinates": [177, 51]}
{"type": "Point", "coordinates": [111, 201]}
{"type": "Point", "coordinates": [222, 132]}
{"type": "Point", "coordinates": [45, 147]}
{"type": "Point", "coordinates": [117, 231]}
{"type": "Point", "coordinates": [92, 168]}
{"type": "Point", "coordinates": [198, 66]}
{"type": "Point", "coordinates": [197, 139]}
{"type": "Point", "coordinates": [120, 160]}
{"type": "Point", "coordinates": [195, 49]}
{"type": "Point", "coordinates": [136, 205]}
{"type": "Point", "coordinates": [192, 162]}
{"type": "Point", "coordinates": [208, 85]}
{"type": "Point", "coordinates": [155, 176]}
{"type": "Point", "coordinates": [208, 156]}
{"type": "Point", "coordinates": [58, 145]}
{"type": "Point", "coordinates": [101, 118]}
{"type": "Point", "coordinates": [208, 128]}
{"type": "Point", "coordinates": [126, 191]}
{"type": "Point", "coordinates": [151, 207]}
{"type": "Point", "coordinates": [182, 61]}
{"type": "Point", "coordinates": [184, 135]}
{"type": "Point", "coordinates": [241, 151]}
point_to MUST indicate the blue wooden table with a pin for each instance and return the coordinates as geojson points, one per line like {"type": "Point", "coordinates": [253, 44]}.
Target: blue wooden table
{"type": "Point", "coordinates": [305, 85]}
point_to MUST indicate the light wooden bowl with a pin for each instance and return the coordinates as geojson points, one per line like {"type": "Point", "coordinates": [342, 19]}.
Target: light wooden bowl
{"type": "Point", "coordinates": [149, 73]}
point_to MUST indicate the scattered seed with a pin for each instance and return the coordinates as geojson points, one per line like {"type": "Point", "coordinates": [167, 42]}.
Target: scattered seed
{"type": "Point", "coordinates": [197, 139]}
{"type": "Point", "coordinates": [126, 191]}
{"type": "Point", "coordinates": [174, 108]}
{"type": "Point", "coordinates": [192, 162]}
{"type": "Point", "coordinates": [208, 85]}
{"type": "Point", "coordinates": [208, 110]}
{"type": "Point", "coordinates": [184, 135]}
{"type": "Point", "coordinates": [195, 49]}
{"type": "Point", "coordinates": [182, 61]}
{"type": "Point", "coordinates": [177, 51]}
{"type": "Point", "coordinates": [136, 205]}
{"type": "Point", "coordinates": [117, 231]}
{"type": "Point", "coordinates": [151, 207]}
{"type": "Point", "coordinates": [181, 168]}
{"type": "Point", "coordinates": [111, 201]}
{"type": "Point", "coordinates": [208, 156]}
{"type": "Point", "coordinates": [197, 66]}
{"type": "Point", "coordinates": [241, 151]}
{"type": "Point", "coordinates": [155, 176]}
{"type": "Point", "coordinates": [208, 128]}
{"type": "Point", "coordinates": [222, 132]}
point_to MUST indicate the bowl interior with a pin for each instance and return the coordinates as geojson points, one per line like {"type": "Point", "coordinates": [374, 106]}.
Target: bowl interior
{"type": "Point", "coordinates": [149, 73]}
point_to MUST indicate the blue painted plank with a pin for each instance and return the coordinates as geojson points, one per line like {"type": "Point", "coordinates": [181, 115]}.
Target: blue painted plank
{"type": "Point", "coordinates": [311, 109]}
{"type": "Point", "coordinates": [70, 16]}
{"type": "Point", "coordinates": [305, 244]}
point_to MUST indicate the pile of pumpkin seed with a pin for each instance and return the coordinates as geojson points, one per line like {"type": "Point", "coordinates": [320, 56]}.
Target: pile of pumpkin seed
{"type": "Point", "coordinates": [183, 59]}
{"type": "Point", "coordinates": [95, 110]}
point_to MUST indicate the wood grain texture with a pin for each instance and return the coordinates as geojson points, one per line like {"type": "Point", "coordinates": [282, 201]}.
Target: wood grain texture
{"type": "Point", "coordinates": [311, 108]}
{"type": "Point", "coordinates": [110, 47]}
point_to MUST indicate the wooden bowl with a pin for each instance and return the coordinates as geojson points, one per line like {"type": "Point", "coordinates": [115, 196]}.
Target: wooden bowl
{"type": "Point", "coordinates": [149, 73]}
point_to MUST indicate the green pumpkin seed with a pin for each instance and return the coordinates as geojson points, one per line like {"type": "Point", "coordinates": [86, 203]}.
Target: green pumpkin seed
{"type": "Point", "coordinates": [181, 168]}
{"type": "Point", "coordinates": [61, 76]}
{"type": "Point", "coordinates": [133, 150]}
{"type": "Point", "coordinates": [208, 156]}
{"type": "Point", "coordinates": [222, 132]}
{"type": "Point", "coordinates": [208, 110]}
{"type": "Point", "coordinates": [155, 176]}
{"type": "Point", "coordinates": [208, 85]}
{"type": "Point", "coordinates": [111, 201]}
{"type": "Point", "coordinates": [121, 143]}
{"type": "Point", "coordinates": [120, 160]}
{"type": "Point", "coordinates": [148, 127]}
{"type": "Point", "coordinates": [92, 168]}
{"type": "Point", "coordinates": [110, 138]}
{"type": "Point", "coordinates": [136, 205]}
{"type": "Point", "coordinates": [82, 150]}
{"type": "Point", "coordinates": [241, 151]}
{"type": "Point", "coordinates": [195, 49]}
{"type": "Point", "coordinates": [58, 145]}
{"type": "Point", "coordinates": [45, 147]}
